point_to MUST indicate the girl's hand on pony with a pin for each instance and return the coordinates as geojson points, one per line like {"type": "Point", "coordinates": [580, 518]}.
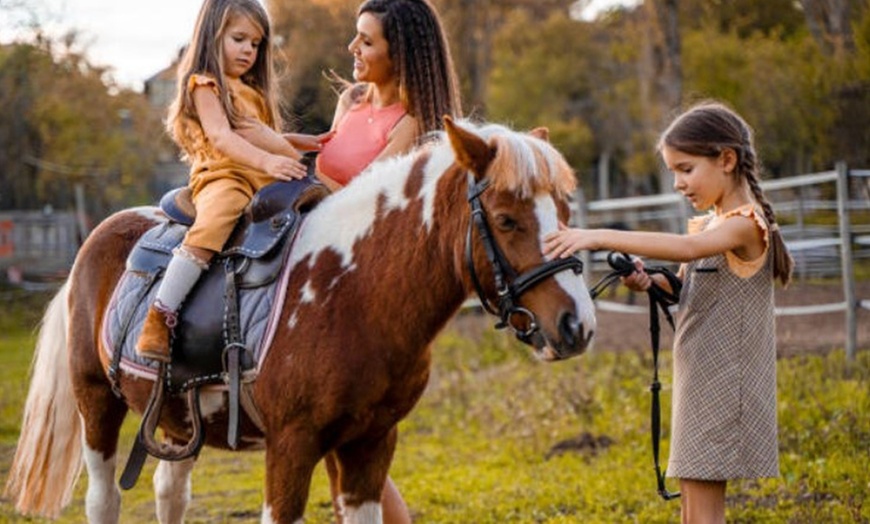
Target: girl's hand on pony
{"type": "Point", "coordinates": [284, 168]}
{"type": "Point", "coordinates": [640, 280]}
{"type": "Point", "coordinates": [566, 241]}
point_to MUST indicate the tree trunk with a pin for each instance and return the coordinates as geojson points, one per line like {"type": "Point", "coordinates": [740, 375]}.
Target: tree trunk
{"type": "Point", "coordinates": [828, 21]}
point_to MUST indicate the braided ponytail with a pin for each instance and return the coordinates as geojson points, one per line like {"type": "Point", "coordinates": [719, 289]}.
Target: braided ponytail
{"type": "Point", "coordinates": [706, 130]}
{"type": "Point", "coordinates": [781, 259]}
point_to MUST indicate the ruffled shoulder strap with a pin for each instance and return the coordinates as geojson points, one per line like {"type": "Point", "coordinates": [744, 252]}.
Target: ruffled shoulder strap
{"type": "Point", "coordinates": [197, 80]}
{"type": "Point", "coordinates": [747, 268]}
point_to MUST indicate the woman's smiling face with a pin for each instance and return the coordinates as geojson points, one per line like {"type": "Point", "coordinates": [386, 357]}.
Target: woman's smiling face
{"type": "Point", "coordinates": [371, 52]}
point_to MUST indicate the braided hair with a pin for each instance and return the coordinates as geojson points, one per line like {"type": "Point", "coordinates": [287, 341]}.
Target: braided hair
{"type": "Point", "coordinates": [709, 128]}
{"type": "Point", "coordinates": [418, 49]}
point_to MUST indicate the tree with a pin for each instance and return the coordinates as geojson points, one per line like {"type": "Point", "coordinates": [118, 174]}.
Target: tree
{"type": "Point", "coordinates": [68, 124]}
{"type": "Point", "coordinates": [313, 36]}
{"type": "Point", "coordinates": [537, 81]}
{"type": "Point", "coordinates": [829, 23]}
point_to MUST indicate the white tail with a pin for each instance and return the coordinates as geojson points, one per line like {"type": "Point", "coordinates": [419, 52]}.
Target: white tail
{"type": "Point", "coordinates": [48, 460]}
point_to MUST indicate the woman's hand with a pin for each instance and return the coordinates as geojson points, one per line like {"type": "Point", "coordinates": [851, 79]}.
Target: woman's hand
{"type": "Point", "coordinates": [283, 168]}
{"type": "Point", "coordinates": [566, 241]}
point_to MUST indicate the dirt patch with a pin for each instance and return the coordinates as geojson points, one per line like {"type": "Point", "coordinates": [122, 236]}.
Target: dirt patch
{"type": "Point", "coordinates": [818, 333]}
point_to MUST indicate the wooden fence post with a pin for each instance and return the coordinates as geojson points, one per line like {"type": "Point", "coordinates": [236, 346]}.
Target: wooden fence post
{"type": "Point", "coordinates": [581, 220]}
{"type": "Point", "coordinates": [846, 259]}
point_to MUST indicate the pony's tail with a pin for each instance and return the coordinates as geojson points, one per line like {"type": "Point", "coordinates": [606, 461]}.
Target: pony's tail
{"type": "Point", "coordinates": [48, 459]}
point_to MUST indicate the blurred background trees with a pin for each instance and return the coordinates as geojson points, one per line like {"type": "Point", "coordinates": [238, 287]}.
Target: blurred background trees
{"type": "Point", "coordinates": [798, 70]}
{"type": "Point", "coordinates": [64, 124]}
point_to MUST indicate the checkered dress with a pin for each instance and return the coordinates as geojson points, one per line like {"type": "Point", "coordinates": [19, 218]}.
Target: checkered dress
{"type": "Point", "coordinates": [724, 399]}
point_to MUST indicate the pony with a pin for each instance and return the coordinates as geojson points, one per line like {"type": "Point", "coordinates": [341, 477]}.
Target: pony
{"type": "Point", "coordinates": [378, 269]}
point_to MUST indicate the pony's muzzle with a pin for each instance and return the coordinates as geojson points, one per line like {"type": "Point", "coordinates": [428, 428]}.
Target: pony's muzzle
{"type": "Point", "coordinates": [573, 338]}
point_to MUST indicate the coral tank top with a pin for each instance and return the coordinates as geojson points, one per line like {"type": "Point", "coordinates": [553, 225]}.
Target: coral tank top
{"type": "Point", "coordinates": [359, 138]}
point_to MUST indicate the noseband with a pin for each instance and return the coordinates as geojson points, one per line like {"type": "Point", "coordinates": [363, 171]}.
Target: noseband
{"type": "Point", "coordinates": [509, 286]}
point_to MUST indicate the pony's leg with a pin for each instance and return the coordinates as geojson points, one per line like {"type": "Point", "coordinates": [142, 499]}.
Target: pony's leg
{"type": "Point", "coordinates": [393, 508]}
{"type": "Point", "coordinates": [290, 460]}
{"type": "Point", "coordinates": [102, 414]}
{"type": "Point", "coordinates": [103, 499]}
{"type": "Point", "coordinates": [363, 470]}
{"type": "Point", "coordinates": [172, 489]}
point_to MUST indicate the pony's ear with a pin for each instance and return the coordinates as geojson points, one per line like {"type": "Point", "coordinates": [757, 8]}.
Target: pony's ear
{"type": "Point", "coordinates": [541, 132]}
{"type": "Point", "coordinates": [472, 152]}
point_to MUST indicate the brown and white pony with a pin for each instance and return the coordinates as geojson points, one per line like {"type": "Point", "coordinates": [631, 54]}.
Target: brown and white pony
{"type": "Point", "coordinates": [380, 267]}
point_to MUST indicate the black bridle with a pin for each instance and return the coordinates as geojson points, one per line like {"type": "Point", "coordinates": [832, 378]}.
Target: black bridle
{"type": "Point", "coordinates": [509, 286]}
{"type": "Point", "coordinates": [659, 300]}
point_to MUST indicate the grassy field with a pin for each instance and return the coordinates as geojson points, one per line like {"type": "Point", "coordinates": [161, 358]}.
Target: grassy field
{"type": "Point", "coordinates": [481, 447]}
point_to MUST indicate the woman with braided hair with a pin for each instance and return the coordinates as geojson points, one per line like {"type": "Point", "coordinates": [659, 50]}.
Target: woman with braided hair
{"type": "Point", "coordinates": [405, 85]}
{"type": "Point", "coordinates": [724, 397]}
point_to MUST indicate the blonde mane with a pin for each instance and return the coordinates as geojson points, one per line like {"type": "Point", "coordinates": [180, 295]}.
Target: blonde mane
{"type": "Point", "coordinates": [524, 164]}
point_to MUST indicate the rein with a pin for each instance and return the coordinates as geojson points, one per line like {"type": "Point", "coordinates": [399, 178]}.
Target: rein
{"type": "Point", "coordinates": [659, 300]}
{"type": "Point", "coordinates": [509, 286]}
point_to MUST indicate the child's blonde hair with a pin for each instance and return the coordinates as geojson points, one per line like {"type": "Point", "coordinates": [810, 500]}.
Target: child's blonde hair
{"type": "Point", "coordinates": [709, 128]}
{"type": "Point", "coordinates": [204, 56]}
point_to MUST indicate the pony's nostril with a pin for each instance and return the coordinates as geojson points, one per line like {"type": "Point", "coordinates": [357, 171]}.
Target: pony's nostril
{"type": "Point", "coordinates": [569, 329]}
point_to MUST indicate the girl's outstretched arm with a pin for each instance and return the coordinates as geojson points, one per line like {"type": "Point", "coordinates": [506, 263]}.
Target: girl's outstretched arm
{"type": "Point", "coordinates": [217, 128]}
{"type": "Point", "coordinates": [734, 234]}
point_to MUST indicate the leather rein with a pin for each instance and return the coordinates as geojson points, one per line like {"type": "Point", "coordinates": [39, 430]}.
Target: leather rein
{"type": "Point", "coordinates": [659, 300]}
{"type": "Point", "coordinates": [509, 286]}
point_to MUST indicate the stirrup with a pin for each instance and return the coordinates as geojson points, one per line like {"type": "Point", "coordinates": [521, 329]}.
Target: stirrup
{"type": "Point", "coordinates": [151, 419]}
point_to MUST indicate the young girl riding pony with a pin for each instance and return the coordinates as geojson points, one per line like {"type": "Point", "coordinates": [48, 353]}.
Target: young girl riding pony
{"type": "Point", "coordinates": [724, 400]}
{"type": "Point", "coordinates": [226, 122]}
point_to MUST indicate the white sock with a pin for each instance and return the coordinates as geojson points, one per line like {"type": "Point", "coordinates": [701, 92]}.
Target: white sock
{"type": "Point", "coordinates": [182, 273]}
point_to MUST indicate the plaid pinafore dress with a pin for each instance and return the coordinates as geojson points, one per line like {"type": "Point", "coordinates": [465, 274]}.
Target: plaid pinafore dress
{"type": "Point", "coordinates": [724, 395]}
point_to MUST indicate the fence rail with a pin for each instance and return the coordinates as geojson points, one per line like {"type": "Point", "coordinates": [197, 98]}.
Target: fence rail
{"type": "Point", "coordinates": [37, 243]}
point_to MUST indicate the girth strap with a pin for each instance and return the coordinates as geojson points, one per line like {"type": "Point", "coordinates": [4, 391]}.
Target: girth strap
{"type": "Point", "coordinates": [233, 352]}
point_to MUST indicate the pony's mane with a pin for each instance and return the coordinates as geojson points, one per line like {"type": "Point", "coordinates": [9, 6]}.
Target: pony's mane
{"type": "Point", "coordinates": [523, 164]}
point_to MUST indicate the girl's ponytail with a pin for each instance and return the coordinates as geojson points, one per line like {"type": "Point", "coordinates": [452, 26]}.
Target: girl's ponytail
{"type": "Point", "coordinates": [779, 255]}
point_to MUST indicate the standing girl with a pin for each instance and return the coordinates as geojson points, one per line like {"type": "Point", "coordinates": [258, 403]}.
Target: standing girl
{"type": "Point", "coordinates": [226, 122]}
{"type": "Point", "coordinates": [724, 402]}
{"type": "Point", "coordinates": [405, 86]}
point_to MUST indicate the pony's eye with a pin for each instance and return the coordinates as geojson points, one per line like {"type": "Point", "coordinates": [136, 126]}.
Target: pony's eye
{"type": "Point", "coordinates": [505, 223]}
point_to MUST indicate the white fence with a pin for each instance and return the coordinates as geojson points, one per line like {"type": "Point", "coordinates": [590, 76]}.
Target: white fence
{"type": "Point", "coordinates": [828, 198]}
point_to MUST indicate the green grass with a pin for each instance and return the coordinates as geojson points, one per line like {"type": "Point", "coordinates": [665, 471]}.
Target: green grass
{"type": "Point", "coordinates": [476, 448]}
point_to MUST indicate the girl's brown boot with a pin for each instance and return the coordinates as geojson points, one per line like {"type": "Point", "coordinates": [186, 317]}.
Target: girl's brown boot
{"type": "Point", "coordinates": [156, 333]}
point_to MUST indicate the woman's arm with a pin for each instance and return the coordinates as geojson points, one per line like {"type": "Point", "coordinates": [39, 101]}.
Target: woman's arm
{"type": "Point", "coordinates": [217, 128]}
{"type": "Point", "coordinates": [401, 139]}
